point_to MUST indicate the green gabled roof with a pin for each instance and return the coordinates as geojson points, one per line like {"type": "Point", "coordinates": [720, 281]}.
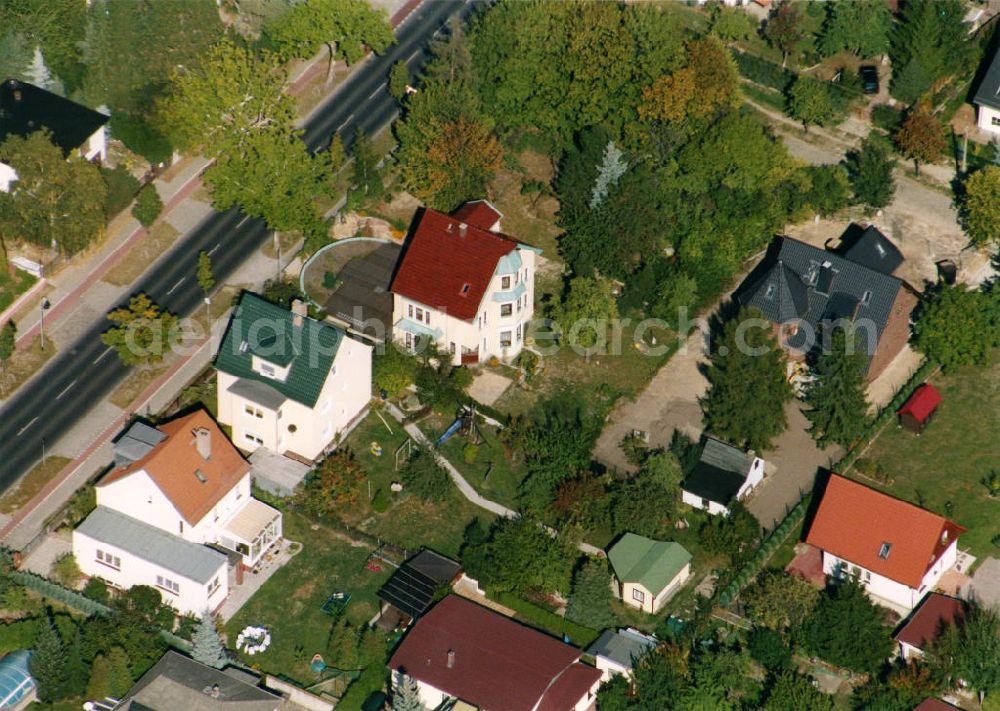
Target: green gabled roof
{"type": "Point", "coordinates": [652, 564]}
{"type": "Point", "coordinates": [266, 330]}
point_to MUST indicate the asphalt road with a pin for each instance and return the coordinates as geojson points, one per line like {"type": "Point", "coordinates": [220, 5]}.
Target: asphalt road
{"type": "Point", "coordinates": [82, 375]}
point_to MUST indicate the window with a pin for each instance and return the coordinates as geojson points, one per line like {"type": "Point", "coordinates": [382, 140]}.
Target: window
{"type": "Point", "coordinates": [267, 369]}
{"type": "Point", "coordinates": [519, 303]}
{"type": "Point", "coordinates": [420, 314]}
{"type": "Point", "coordinates": [518, 333]}
{"type": "Point", "coordinates": [638, 595]}
{"type": "Point", "coordinates": [995, 121]}
{"type": "Point", "coordinates": [517, 277]}
{"type": "Point", "coordinates": [168, 585]}
{"type": "Point", "coordinates": [505, 282]}
{"type": "Point", "coordinates": [880, 249]}
{"type": "Point", "coordinates": [506, 309]}
{"type": "Point", "coordinates": [248, 409]}
{"type": "Point", "coordinates": [427, 317]}
{"type": "Point", "coordinates": [883, 551]}
{"type": "Point", "coordinates": [409, 310]}
{"type": "Point", "coordinates": [112, 561]}
{"type": "Point", "coordinates": [213, 586]}
{"type": "Point", "coordinates": [409, 341]}
{"type": "Point", "coordinates": [769, 294]}
{"type": "Point", "coordinates": [250, 437]}
{"type": "Point", "coordinates": [465, 289]}
{"type": "Point", "coordinates": [866, 298]}
{"type": "Point", "coordinates": [180, 527]}
{"type": "Point", "coordinates": [505, 339]}
{"type": "Point", "coordinates": [200, 476]}
{"type": "Point", "coordinates": [451, 348]}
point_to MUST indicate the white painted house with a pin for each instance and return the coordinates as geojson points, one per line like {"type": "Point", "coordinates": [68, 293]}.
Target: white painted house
{"type": "Point", "coordinates": [288, 382]}
{"type": "Point", "coordinates": [617, 651]}
{"type": "Point", "coordinates": [26, 108]}
{"type": "Point", "coordinates": [175, 490]}
{"type": "Point", "coordinates": [464, 285]}
{"type": "Point", "coordinates": [895, 549]}
{"type": "Point", "coordinates": [722, 475]}
{"type": "Point", "coordinates": [987, 98]}
{"type": "Point", "coordinates": [476, 658]}
{"type": "Point", "coordinates": [648, 572]}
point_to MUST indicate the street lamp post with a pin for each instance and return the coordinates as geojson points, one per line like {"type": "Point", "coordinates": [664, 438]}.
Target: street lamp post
{"type": "Point", "coordinates": [45, 307]}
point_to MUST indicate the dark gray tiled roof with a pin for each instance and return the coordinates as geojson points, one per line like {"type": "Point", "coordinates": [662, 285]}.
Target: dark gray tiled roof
{"type": "Point", "coordinates": [135, 443]}
{"type": "Point", "coordinates": [194, 562]}
{"type": "Point", "coordinates": [177, 682]}
{"type": "Point", "coordinates": [988, 93]}
{"type": "Point", "coordinates": [874, 250]}
{"type": "Point", "coordinates": [26, 108]}
{"type": "Point", "coordinates": [834, 287]}
{"type": "Point", "coordinates": [258, 392]}
{"type": "Point", "coordinates": [622, 647]}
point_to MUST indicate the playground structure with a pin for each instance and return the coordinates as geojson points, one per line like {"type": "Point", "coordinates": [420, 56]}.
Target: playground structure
{"type": "Point", "coordinates": [385, 554]}
{"type": "Point", "coordinates": [465, 424]}
{"type": "Point", "coordinates": [336, 604]}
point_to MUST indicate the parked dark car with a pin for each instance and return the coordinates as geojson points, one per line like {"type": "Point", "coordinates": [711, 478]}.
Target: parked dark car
{"type": "Point", "coordinates": [869, 79]}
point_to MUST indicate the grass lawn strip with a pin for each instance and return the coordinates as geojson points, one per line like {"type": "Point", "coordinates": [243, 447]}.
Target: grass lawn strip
{"type": "Point", "coordinates": [31, 483]}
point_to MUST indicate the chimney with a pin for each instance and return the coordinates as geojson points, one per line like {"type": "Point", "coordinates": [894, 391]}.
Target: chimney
{"type": "Point", "coordinates": [299, 312]}
{"type": "Point", "coordinates": [203, 441]}
{"type": "Point", "coordinates": [462, 229]}
{"type": "Point", "coordinates": [451, 658]}
{"type": "Point", "coordinates": [216, 691]}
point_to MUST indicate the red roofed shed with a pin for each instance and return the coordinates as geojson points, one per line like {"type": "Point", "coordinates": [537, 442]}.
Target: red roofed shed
{"type": "Point", "coordinates": [920, 408]}
{"type": "Point", "coordinates": [936, 613]}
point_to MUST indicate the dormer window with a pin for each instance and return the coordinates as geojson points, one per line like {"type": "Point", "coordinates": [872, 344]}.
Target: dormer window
{"type": "Point", "coordinates": [883, 550]}
{"type": "Point", "coordinates": [866, 298]}
{"type": "Point", "coordinates": [944, 536]}
{"type": "Point", "coordinates": [244, 346]}
{"type": "Point", "coordinates": [769, 294]}
{"type": "Point", "coordinates": [505, 282]}
{"type": "Point", "coordinates": [880, 249]}
{"type": "Point", "coordinates": [267, 369]}
{"type": "Point", "coordinates": [200, 476]}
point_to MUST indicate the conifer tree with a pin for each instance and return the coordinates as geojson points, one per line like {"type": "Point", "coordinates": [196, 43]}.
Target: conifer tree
{"type": "Point", "coordinates": [100, 674]}
{"type": "Point", "coordinates": [406, 695]}
{"type": "Point", "coordinates": [611, 169]}
{"type": "Point", "coordinates": [838, 408]}
{"type": "Point", "coordinates": [590, 601]}
{"type": "Point", "coordinates": [119, 674]}
{"type": "Point", "coordinates": [48, 661]}
{"type": "Point", "coordinates": [208, 647]}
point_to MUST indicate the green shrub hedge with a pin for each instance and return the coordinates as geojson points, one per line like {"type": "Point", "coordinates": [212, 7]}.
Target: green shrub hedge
{"type": "Point", "coordinates": [762, 71]}
{"type": "Point", "coordinates": [547, 621]}
{"type": "Point", "coordinates": [886, 117]}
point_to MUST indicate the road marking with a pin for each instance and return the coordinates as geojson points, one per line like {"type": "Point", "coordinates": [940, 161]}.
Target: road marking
{"type": "Point", "coordinates": [26, 426]}
{"type": "Point", "coordinates": [65, 389]}
{"type": "Point", "coordinates": [372, 95]}
{"type": "Point", "coordinates": [346, 121]}
{"type": "Point", "coordinates": [179, 282]}
{"type": "Point", "coordinates": [103, 353]}
{"type": "Point", "coordinates": [212, 250]}
{"type": "Point", "coordinates": [240, 223]}
{"type": "Point", "coordinates": [415, 53]}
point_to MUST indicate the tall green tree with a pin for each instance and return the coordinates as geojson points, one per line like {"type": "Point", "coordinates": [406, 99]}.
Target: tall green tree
{"type": "Point", "coordinates": [930, 42]}
{"type": "Point", "coordinates": [48, 662]}
{"type": "Point", "coordinates": [847, 629]}
{"type": "Point", "coordinates": [838, 408]}
{"type": "Point", "coordinates": [142, 333]}
{"type": "Point", "coordinates": [586, 312]}
{"type": "Point", "coordinates": [55, 201]}
{"type": "Point", "coordinates": [8, 342]}
{"type": "Point", "coordinates": [647, 503]}
{"type": "Point", "coordinates": [857, 26]}
{"type": "Point", "coordinates": [921, 137]}
{"type": "Point", "coordinates": [119, 672]}
{"type": "Point", "coordinates": [957, 326]}
{"type": "Point", "coordinates": [206, 279]}
{"type": "Point", "coordinates": [967, 652]}
{"type": "Point", "coordinates": [590, 599]}
{"type": "Point", "coordinates": [869, 169]}
{"type": "Point", "coordinates": [784, 29]}
{"type": "Point", "coordinates": [747, 388]}
{"type": "Point", "coordinates": [344, 27]}
{"type": "Point", "coordinates": [980, 206]}
{"type": "Point", "coordinates": [399, 80]}
{"type": "Point", "coordinates": [735, 535]}
{"type": "Point", "coordinates": [208, 648]}
{"type": "Point", "coordinates": [809, 102]}
{"type": "Point", "coordinates": [406, 695]}
{"type": "Point", "coordinates": [523, 557]}
{"type": "Point", "coordinates": [98, 686]}
{"type": "Point", "coordinates": [779, 601]}
{"type": "Point", "coordinates": [794, 692]}
{"type": "Point", "coordinates": [148, 206]}
{"type": "Point", "coordinates": [366, 177]}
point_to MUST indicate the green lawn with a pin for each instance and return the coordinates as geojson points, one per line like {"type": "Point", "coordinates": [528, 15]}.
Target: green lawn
{"type": "Point", "coordinates": [289, 603]}
{"type": "Point", "coordinates": [492, 473]}
{"type": "Point", "coordinates": [12, 286]}
{"type": "Point", "coordinates": [942, 468]}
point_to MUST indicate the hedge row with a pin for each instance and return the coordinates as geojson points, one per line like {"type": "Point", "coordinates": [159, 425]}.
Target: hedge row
{"type": "Point", "coordinates": [548, 621]}
{"type": "Point", "coordinates": [750, 569]}
{"type": "Point", "coordinates": [49, 589]}
{"type": "Point", "coordinates": [886, 117]}
{"type": "Point", "coordinates": [763, 72]}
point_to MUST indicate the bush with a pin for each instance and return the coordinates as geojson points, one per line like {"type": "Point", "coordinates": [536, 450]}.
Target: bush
{"type": "Point", "coordinates": [887, 118]}
{"type": "Point", "coordinates": [330, 280]}
{"type": "Point", "coordinates": [469, 453]}
{"type": "Point", "coordinates": [65, 570]}
{"type": "Point", "coordinates": [550, 622]}
{"type": "Point", "coordinates": [122, 188]}
{"type": "Point", "coordinates": [425, 477]}
{"type": "Point", "coordinates": [140, 137]}
{"type": "Point", "coordinates": [380, 502]}
{"type": "Point", "coordinates": [768, 648]}
{"type": "Point", "coordinates": [762, 71]}
{"type": "Point", "coordinates": [97, 590]}
{"type": "Point", "coordinates": [148, 206]}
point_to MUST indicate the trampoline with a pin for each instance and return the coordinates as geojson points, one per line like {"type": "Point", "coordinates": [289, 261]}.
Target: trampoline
{"type": "Point", "coordinates": [15, 679]}
{"type": "Point", "coordinates": [336, 604]}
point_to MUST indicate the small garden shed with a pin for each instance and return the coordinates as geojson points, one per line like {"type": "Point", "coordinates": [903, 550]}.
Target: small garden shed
{"type": "Point", "coordinates": [919, 410]}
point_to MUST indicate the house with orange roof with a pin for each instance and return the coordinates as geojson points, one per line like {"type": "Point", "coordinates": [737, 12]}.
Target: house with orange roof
{"type": "Point", "coordinates": [464, 285]}
{"type": "Point", "coordinates": [895, 549]}
{"type": "Point", "coordinates": [177, 498]}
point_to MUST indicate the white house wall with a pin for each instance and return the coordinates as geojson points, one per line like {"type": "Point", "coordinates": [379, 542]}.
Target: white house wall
{"type": "Point", "coordinates": [96, 146]}
{"type": "Point", "coordinates": [714, 508]}
{"type": "Point", "coordinates": [192, 597]}
{"type": "Point", "coordinates": [139, 497]}
{"type": "Point", "coordinates": [988, 119]}
{"type": "Point", "coordinates": [7, 176]}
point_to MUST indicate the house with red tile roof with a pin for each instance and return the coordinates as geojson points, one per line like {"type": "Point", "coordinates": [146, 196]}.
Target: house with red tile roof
{"type": "Point", "coordinates": [174, 491]}
{"type": "Point", "coordinates": [934, 705]}
{"type": "Point", "coordinates": [464, 285]}
{"type": "Point", "coordinates": [462, 651]}
{"type": "Point", "coordinates": [935, 614]}
{"type": "Point", "coordinates": [896, 550]}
